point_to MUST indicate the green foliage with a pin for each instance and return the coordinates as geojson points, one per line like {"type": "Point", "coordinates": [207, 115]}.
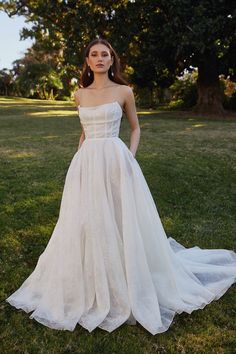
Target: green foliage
{"type": "Point", "coordinates": [38, 80]}
{"type": "Point", "coordinates": [230, 102]}
{"type": "Point", "coordinates": [143, 97]}
{"type": "Point", "coordinates": [229, 93]}
{"type": "Point", "coordinates": [6, 82]}
{"type": "Point", "coordinates": [154, 36]}
{"type": "Point", "coordinates": [157, 39]}
{"type": "Point", "coordinates": [184, 91]}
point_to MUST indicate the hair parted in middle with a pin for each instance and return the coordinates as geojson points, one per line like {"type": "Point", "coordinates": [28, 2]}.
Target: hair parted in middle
{"type": "Point", "coordinates": [86, 80]}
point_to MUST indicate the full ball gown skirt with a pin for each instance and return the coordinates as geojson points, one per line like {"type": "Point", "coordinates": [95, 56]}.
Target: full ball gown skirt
{"type": "Point", "coordinates": [108, 260]}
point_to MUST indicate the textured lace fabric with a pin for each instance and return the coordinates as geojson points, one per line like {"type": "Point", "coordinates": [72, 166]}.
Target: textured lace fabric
{"type": "Point", "coordinates": [109, 262]}
{"type": "Point", "coordinates": [101, 121]}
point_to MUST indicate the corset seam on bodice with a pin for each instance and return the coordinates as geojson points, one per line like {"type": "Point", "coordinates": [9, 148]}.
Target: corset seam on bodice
{"type": "Point", "coordinates": [102, 121]}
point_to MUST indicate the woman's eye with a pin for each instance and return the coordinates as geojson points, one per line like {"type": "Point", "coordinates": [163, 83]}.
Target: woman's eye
{"type": "Point", "coordinates": [104, 55]}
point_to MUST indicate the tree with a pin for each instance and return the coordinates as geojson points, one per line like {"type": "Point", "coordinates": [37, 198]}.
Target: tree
{"type": "Point", "coordinates": [37, 75]}
{"type": "Point", "coordinates": [157, 39]}
{"type": "Point", "coordinates": [6, 82]}
{"type": "Point", "coordinates": [181, 34]}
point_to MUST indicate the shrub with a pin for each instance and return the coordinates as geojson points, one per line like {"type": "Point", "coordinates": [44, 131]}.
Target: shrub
{"type": "Point", "coordinates": [229, 101]}
{"type": "Point", "coordinates": [184, 91]}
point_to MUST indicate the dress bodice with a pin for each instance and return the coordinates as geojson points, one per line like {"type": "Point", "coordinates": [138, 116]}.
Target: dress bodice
{"type": "Point", "coordinates": [102, 121]}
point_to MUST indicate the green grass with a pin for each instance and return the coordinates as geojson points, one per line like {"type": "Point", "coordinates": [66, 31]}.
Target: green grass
{"type": "Point", "coordinates": [189, 164]}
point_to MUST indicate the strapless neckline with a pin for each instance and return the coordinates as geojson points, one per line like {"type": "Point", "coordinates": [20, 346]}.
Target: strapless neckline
{"type": "Point", "coordinates": [100, 105]}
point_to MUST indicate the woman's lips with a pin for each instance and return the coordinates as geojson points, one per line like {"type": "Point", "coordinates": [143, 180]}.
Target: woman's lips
{"type": "Point", "coordinates": [100, 65]}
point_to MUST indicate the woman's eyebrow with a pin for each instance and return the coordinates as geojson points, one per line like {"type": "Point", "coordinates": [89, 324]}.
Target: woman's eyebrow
{"type": "Point", "coordinates": [95, 51]}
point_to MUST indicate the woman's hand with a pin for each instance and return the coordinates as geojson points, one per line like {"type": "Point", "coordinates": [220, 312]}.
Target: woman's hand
{"type": "Point", "coordinates": [132, 152]}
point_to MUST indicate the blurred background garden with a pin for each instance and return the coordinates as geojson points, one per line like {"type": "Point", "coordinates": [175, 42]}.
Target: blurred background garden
{"type": "Point", "coordinates": [177, 54]}
{"type": "Point", "coordinates": [180, 58]}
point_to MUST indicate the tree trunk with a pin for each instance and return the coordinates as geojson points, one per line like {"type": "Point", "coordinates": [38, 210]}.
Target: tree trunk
{"type": "Point", "coordinates": [6, 86]}
{"type": "Point", "coordinates": [210, 95]}
{"type": "Point", "coordinates": [51, 94]}
{"type": "Point", "coordinates": [151, 98]}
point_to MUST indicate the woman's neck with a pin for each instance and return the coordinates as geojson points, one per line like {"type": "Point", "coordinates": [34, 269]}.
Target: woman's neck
{"type": "Point", "coordinates": [100, 82]}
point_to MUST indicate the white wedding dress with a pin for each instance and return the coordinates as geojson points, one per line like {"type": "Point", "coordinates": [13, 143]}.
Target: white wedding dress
{"type": "Point", "coordinates": [108, 260]}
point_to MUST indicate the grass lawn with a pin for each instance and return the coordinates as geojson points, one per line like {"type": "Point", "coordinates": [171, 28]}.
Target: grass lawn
{"type": "Point", "coordinates": [189, 164]}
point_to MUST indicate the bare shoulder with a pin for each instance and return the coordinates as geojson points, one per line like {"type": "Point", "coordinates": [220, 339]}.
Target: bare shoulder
{"type": "Point", "coordinates": [126, 89]}
{"type": "Point", "coordinates": [127, 93]}
{"type": "Point", "coordinates": [128, 96]}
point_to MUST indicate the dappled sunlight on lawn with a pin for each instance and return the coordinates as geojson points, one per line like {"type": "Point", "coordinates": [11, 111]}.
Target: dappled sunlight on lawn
{"type": "Point", "coordinates": [10, 242]}
{"type": "Point", "coordinates": [52, 113]}
{"type": "Point", "coordinates": [12, 101]}
{"type": "Point", "coordinates": [22, 154]}
{"type": "Point", "coordinates": [51, 137]}
{"type": "Point", "coordinates": [148, 155]}
{"type": "Point", "coordinates": [147, 112]}
{"type": "Point", "coordinates": [49, 197]}
{"type": "Point", "coordinates": [167, 222]}
{"type": "Point", "coordinates": [32, 106]}
{"type": "Point", "coordinates": [189, 165]}
{"type": "Point", "coordinates": [199, 125]}
{"type": "Point", "coordinates": [33, 202]}
{"type": "Point", "coordinates": [194, 126]}
{"type": "Point", "coordinates": [12, 154]}
{"type": "Point", "coordinates": [14, 243]}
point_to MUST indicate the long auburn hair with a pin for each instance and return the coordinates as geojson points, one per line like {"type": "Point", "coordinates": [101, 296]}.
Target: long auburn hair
{"type": "Point", "coordinates": [117, 78]}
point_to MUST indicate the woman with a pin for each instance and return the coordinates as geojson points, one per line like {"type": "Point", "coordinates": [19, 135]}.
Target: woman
{"type": "Point", "coordinates": [109, 261]}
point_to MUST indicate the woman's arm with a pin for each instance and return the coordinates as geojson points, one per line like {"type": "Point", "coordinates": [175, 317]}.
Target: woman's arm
{"type": "Point", "coordinates": [130, 110]}
{"type": "Point", "coordinates": [82, 136]}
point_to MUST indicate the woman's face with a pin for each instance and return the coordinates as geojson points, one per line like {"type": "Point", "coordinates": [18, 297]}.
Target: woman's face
{"type": "Point", "coordinates": [99, 58]}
